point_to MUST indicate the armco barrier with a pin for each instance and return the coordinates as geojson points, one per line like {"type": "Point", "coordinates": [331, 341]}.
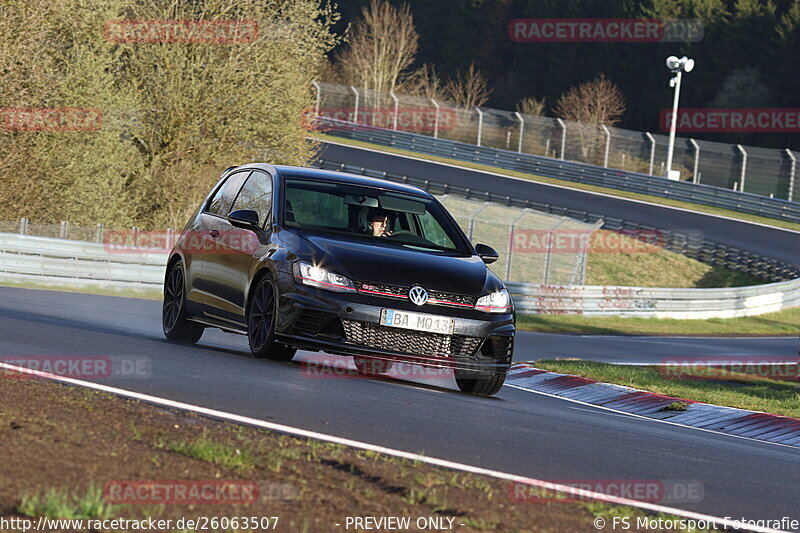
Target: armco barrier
{"type": "Point", "coordinates": [691, 245]}
{"type": "Point", "coordinates": [656, 302]}
{"type": "Point", "coordinates": [76, 263]}
{"type": "Point", "coordinates": [742, 202]}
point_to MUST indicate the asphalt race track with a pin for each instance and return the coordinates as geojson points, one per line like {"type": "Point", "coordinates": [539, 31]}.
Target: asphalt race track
{"type": "Point", "coordinates": [768, 241]}
{"type": "Point", "coordinates": [653, 350]}
{"type": "Point", "coordinates": [516, 431]}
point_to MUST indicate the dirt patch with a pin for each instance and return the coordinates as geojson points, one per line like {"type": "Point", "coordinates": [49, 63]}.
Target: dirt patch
{"type": "Point", "coordinates": [57, 436]}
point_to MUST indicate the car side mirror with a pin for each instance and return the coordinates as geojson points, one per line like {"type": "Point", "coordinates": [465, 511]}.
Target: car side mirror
{"type": "Point", "coordinates": [487, 253]}
{"type": "Point", "coordinates": [244, 218]}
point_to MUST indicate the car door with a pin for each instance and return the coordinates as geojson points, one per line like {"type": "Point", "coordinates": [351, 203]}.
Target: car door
{"type": "Point", "coordinates": [228, 267]}
{"type": "Point", "coordinates": [202, 242]}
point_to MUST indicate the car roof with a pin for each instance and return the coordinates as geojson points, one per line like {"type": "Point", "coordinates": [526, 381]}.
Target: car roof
{"type": "Point", "coordinates": [344, 177]}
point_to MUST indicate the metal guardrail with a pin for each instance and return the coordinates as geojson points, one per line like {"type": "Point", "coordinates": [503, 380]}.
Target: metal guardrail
{"type": "Point", "coordinates": [77, 263]}
{"type": "Point", "coordinates": [656, 302]}
{"type": "Point", "coordinates": [624, 180]}
{"type": "Point", "coordinates": [705, 251]}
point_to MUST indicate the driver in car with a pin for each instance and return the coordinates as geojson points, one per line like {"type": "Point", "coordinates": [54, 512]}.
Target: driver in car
{"type": "Point", "coordinates": [378, 221]}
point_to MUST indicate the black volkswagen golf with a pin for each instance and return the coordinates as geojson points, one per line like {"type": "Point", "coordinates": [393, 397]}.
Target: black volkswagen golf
{"type": "Point", "coordinates": [300, 258]}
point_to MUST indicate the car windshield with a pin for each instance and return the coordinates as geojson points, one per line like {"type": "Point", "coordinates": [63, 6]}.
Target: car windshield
{"type": "Point", "coordinates": [398, 218]}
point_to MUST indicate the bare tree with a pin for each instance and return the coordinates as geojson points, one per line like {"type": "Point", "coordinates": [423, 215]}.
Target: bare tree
{"type": "Point", "coordinates": [382, 45]}
{"type": "Point", "coordinates": [423, 82]}
{"type": "Point", "coordinates": [596, 102]}
{"type": "Point", "coordinates": [468, 89]}
{"type": "Point", "coordinates": [589, 106]}
{"type": "Point", "coordinates": [531, 105]}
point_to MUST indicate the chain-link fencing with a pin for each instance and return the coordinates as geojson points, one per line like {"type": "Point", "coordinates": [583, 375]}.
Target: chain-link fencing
{"type": "Point", "coordinates": [765, 171]}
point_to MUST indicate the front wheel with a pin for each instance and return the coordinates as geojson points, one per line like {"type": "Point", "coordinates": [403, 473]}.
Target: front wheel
{"type": "Point", "coordinates": [261, 324]}
{"type": "Point", "coordinates": [177, 327]}
{"type": "Point", "coordinates": [483, 385]}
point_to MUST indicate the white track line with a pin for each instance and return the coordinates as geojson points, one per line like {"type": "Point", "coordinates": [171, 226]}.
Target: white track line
{"type": "Point", "coordinates": [580, 493]}
{"type": "Point", "coordinates": [607, 195]}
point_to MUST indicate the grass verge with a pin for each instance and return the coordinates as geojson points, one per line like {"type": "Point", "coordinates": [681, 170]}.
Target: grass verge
{"type": "Point", "coordinates": [772, 389]}
{"type": "Point", "coordinates": [786, 322]}
{"type": "Point", "coordinates": [570, 184]}
{"type": "Point", "coordinates": [145, 294]}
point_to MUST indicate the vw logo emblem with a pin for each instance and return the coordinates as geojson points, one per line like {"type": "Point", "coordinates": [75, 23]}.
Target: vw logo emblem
{"type": "Point", "coordinates": [418, 295]}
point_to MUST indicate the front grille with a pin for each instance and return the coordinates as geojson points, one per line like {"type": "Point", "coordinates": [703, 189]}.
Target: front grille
{"type": "Point", "coordinates": [434, 297]}
{"type": "Point", "coordinates": [410, 342]}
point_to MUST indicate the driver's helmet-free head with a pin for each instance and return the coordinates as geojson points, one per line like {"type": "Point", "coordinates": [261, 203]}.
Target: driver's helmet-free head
{"type": "Point", "coordinates": [373, 215]}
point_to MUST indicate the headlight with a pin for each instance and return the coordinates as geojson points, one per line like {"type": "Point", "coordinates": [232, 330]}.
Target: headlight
{"type": "Point", "coordinates": [497, 302]}
{"type": "Point", "coordinates": [315, 276]}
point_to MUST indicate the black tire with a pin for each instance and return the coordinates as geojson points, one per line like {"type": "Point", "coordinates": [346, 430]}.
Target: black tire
{"type": "Point", "coordinates": [177, 327]}
{"type": "Point", "coordinates": [261, 315]}
{"type": "Point", "coordinates": [372, 367]}
{"type": "Point", "coordinates": [483, 385]}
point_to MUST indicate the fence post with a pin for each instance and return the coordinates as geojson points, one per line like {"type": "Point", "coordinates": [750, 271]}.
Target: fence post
{"type": "Point", "coordinates": [695, 175]}
{"type": "Point", "coordinates": [170, 238]}
{"type": "Point", "coordinates": [355, 108]}
{"type": "Point", "coordinates": [396, 109]}
{"type": "Point", "coordinates": [608, 144]}
{"type": "Point", "coordinates": [744, 166]}
{"type": "Point", "coordinates": [319, 97]}
{"type": "Point", "coordinates": [550, 249]}
{"type": "Point", "coordinates": [23, 226]}
{"type": "Point", "coordinates": [98, 233]}
{"type": "Point", "coordinates": [436, 123]}
{"type": "Point", "coordinates": [480, 124]}
{"type": "Point", "coordinates": [64, 230]}
{"type": "Point", "coordinates": [521, 130]}
{"type": "Point", "coordinates": [652, 151]}
{"type": "Point", "coordinates": [563, 136]}
{"type": "Point", "coordinates": [473, 216]}
{"type": "Point", "coordinates": [511, 242]}
{"type": "Point", "coordinates": [791, 174]}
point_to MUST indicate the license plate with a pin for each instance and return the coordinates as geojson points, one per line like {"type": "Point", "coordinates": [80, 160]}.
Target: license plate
{"type": "Point", "coordinates": [417, 321]}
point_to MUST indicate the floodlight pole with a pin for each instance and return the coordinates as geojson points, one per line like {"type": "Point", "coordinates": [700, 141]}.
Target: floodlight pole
{"type": "Point", "coordinates": [674, 121]}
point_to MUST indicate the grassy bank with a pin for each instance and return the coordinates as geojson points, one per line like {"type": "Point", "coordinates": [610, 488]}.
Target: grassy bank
{"type": "Point", "coordinates": [785, 322]}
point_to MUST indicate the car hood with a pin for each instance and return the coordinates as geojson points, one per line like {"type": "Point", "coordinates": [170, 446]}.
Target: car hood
{"type": "Point", "coordinates": [377, 262]}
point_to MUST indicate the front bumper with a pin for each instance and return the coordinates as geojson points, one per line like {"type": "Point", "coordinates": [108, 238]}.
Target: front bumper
{"type": "Point", "coordinates": [348, 324]}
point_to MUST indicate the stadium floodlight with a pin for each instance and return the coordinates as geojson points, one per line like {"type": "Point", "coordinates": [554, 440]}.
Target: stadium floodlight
{"type": "Point", "coordinates": [678, 66]}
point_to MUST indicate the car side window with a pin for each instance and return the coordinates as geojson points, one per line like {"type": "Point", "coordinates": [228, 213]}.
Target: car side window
{"type": "Point", "coordinates": [256, 195]}
{"type": "Point", "coordinates": [220, 204]}
{"type": "Point", "coordinates": [316, 208]}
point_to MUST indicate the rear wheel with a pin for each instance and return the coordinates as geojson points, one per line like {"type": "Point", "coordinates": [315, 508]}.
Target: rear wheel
{"type": "Point", "coordinates": [371, 367]}
{"type": "Point", "coordinates": [177, 327]}
{"type": "Point", "coordinates": [484, 385]}
{"type": "Point", "coordinates": [261, 324]}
